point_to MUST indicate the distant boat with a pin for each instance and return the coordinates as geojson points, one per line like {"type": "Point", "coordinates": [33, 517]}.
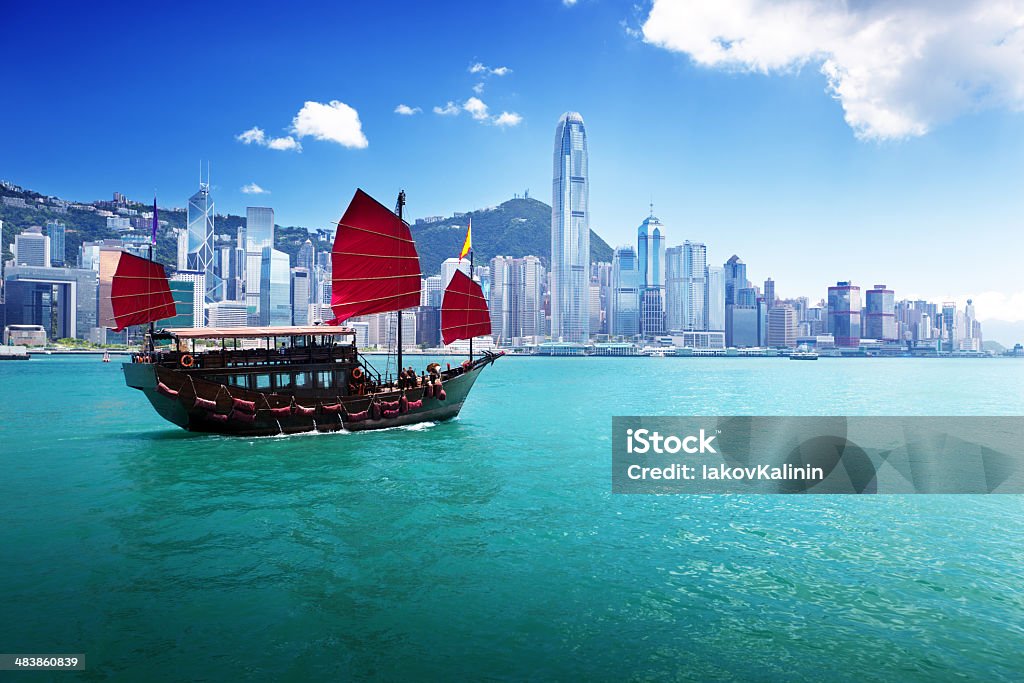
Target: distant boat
{"type": "Point", "coordinates": [106, 356]}
{"type": "Point", "coordinates": [316, 380]}
{"type": "Point", "coordinates": [803, 353]}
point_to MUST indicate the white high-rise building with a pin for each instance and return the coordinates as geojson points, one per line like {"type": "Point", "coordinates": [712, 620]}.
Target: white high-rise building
{"type": "Point", "coordinates": [714, 302]}
{"type": "Point", "coordinates": [449, 266]}
{"type": "Point", "coordinates": [433, 291]}
{"type": "Point", "coordinates": [686, 284]}
{"type": "Point", "coordinates": [570, 232]}
{"type": "Point", "coordinates": [516, 300]}
{"type": "Point", "coordinates": [32, 248]}
{"type": "Point", "coordinates": [198, 280]}
{"type": "Point", "coordinates": [227, 314]}
{"type": "Point", "coordinates": [182, 263]}
{"type": "Point", "coordinates": [300, 296]}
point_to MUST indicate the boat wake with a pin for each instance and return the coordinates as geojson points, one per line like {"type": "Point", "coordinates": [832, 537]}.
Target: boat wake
{"type": "Point", "coordinates": [312, 432]}
{"type": "Point", "coordinates": [418, 427]}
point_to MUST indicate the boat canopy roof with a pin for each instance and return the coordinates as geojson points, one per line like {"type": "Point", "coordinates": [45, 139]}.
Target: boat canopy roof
{"type": "Point", "coordinates": [258, 332]}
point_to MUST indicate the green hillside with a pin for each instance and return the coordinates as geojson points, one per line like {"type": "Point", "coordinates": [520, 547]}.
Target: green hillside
{"type": "Point", "coordinates": [519, 227]}
{"type": "Point", "coordinates": [87, 226]}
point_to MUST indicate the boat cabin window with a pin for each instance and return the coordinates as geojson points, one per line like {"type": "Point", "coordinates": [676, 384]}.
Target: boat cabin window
{"type": "Point", "coordinates": [262, 382]}
{"type": "Point", "coordinates": [283, 380]}
{"type": "Point", "coordinates": [303, 379]}
{"type": "Point", "coordinates": [324, 379]}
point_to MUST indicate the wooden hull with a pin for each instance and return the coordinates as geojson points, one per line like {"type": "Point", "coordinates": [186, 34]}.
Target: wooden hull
{"type": "Point", "coordinates": [185, 411]}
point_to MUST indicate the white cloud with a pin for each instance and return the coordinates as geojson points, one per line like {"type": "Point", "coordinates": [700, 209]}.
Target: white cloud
{"type": "Point", "coordinates": [476, 108]}
{"type": "Point", "coordinates": [406, 110]}
{"type": "Point", "coordinates": [450, 109]}
{"type": "Point", "coordinates": [480, 68]}
{"type": "Point", "coordinates": [508, 118]}
{"type": "Point", "coordinates": [253, 136]}
{"type": "Point", "coordinates": [285, 143]}
{"type": "Point", "coordinates": [479, 88]}
{"type": "Point", "coordinates": [258, 136]}
{"type": "Point", "coordinates": [995, 305]}
{"type": "Point", "coordinates": [897, 69]}
{"type": "Point", "coordinates": [253, 188]}
{"type": "Point", "coordinates": [568, 3]}
{"type": "Point", "coordinates": [334, 122]}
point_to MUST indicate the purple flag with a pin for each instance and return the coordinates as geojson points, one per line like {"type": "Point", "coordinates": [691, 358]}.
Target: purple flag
{"type": "Point", "coordinates": [154, 220]}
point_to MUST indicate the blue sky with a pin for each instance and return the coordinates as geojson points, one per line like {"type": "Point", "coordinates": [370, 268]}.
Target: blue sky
{"type": "Point", "coordinates": [725, 119]}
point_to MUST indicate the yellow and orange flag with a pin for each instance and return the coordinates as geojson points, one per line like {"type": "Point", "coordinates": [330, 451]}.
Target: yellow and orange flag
{"type": "Point", "coordinates": [468, 244]}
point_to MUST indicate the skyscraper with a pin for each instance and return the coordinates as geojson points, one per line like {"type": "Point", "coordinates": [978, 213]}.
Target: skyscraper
{"type": "Point", "coordinates": [55, 230]}
{"type": "Point", "coordinates": [735, 277]}
{"type": "Point", "coordinates": [624, 308]}
{"type": "Point", "coordinates": [782, 328]}
{"type": "Point", "coordinates": [306, 258]}
{"type": "Point", "coordinates": [515, 297]}
{"type": "Point", "coordinates": [200, 238]}
{"type": "Point", "coordinates": [275, 289]}
{"type": "Point", "coordinates": [714, 300]}
{"type": "Point", "coordinates": [259, 228]}
{"type": "Point", "coordinates": [650, 251]}
{"type": "Point", "coordinates": [769, 293]}
{"type": "Point", "coordinates": [880, 313]}
{"type": "Point", "coordinates": [182, 262]}
{"type": "Point", "coordinates": [844, 314]}
{"type": "Point", "coordinates": [259, 233]}
{"type": "Point", "coordinates": [570, 232]}
{"type": "Point", "coordinates": [32, 248]}
{"type": "Point", "coordinates": [449, 266]}
{"type": "Point", "coordinates": [686, 287]}
{"type": "Point", "coordinates": [300, 296]}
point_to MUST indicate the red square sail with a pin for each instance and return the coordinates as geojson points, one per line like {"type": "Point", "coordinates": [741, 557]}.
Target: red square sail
{"type": "Point", "coordinates": [374, 261]}
{"type": "Point", "coordinates": [139, 292]}
{"type": "Point", "coordinates": [464, 313]}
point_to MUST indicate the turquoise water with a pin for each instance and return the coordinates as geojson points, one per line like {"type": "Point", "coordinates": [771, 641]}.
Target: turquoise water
{"type": "Point", "coordinates": [491, 547]}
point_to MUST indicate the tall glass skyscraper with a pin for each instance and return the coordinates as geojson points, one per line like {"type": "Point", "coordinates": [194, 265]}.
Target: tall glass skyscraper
{"type": "Point", "coordinates": [200, 240]}
{"type": "Point", "coordinates": [570, 232]}
{"type": "Point", "coordinates": [275, 289]}
{"type": "Point", "coordinates": [626, 288]}
{"type": "Point", "coordinates": [650, 249]}
{"type": "Point", "coordinates": [56, 230]}
{"type": "Point", "coordinates": [259, 233]}
{"type": "Point", "coordinates": [259, 228]}
{"type": "Point", "coordinates": [880, 305]}
{"type": "Point", "coordinates": [844, 314]}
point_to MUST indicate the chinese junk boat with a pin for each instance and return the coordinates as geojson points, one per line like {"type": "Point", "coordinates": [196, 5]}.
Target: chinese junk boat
{"type": "Point", "coordinates": [258, 381]}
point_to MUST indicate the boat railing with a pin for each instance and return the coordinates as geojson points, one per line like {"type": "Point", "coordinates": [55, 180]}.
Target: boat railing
{"type": "Point", "coordinates": [371, 372]}
{"type": "Point", "coordinates": [255, 357]}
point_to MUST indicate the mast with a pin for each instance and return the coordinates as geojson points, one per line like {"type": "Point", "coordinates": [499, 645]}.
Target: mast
{"type": "Point", "coordinates": [471, 277]}
{"type": "Point", "coordinates": [152, 242]}
{"type": "Point", "coordinates": [398, 340]}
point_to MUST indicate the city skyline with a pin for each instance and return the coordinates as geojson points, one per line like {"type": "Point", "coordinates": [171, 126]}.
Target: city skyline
{"type": "Point", "coordinates": [754, 154]}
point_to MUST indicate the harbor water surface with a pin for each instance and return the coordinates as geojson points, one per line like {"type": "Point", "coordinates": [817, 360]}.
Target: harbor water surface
{"type": "Point", "coordinates": [492, 546]}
